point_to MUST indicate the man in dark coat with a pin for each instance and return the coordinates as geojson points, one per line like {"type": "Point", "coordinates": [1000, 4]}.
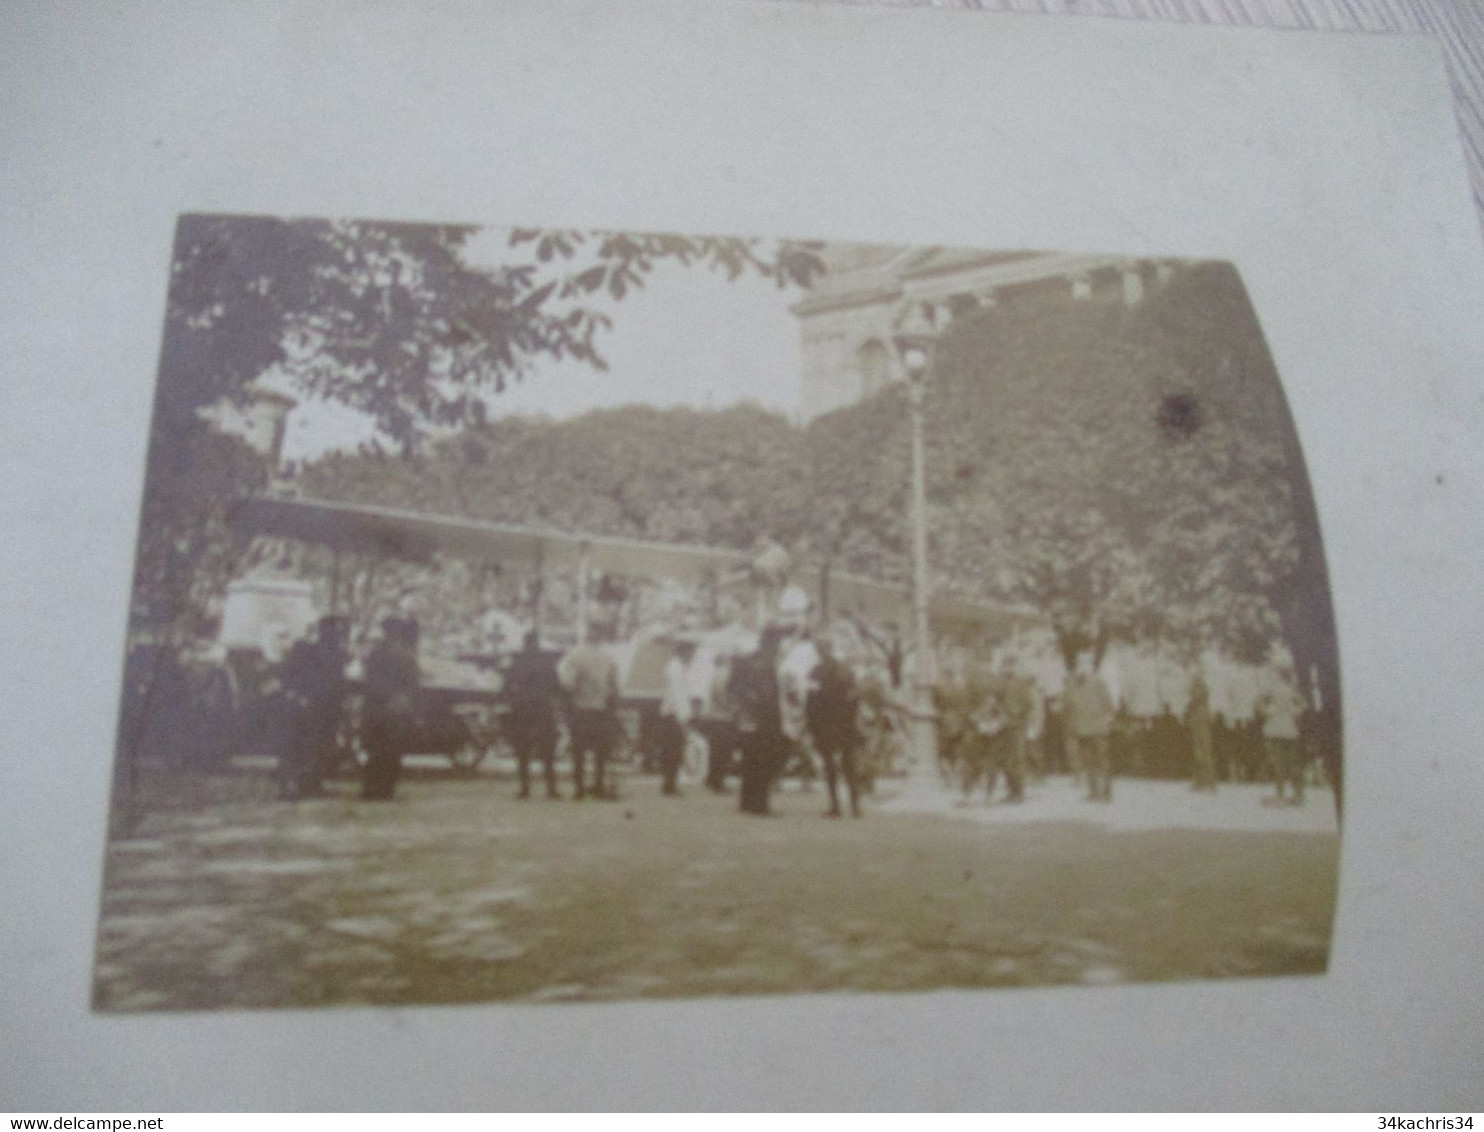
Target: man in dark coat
{"type": "Point", "coordinates": [831, 711]}
{"type": "Point", "coordinates": [533, 690]}
{"type": "Point", "coordinates": [314, 687]}
{"type": "Point", "coordinates": [1016, 694]}
{"type": "Point", "coordinates": [979, 724]}
{"type": "Point", "coordinates": [392, 683]}
{"type": "Point", "coordinates": [754, 691]}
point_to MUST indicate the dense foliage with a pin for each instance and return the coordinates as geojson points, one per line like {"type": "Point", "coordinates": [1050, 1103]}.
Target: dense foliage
{"type": "Point", "coordinates": [679, 475]}
{"type": "Point", "coordinates": [389, 319]}
{"type": "Point", "coordinates": [1130, 472]}
{"type": "Point", "coordinates": [393, 320]}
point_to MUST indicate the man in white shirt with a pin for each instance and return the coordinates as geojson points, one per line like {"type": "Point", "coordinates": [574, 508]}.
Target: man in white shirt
{"type": "Point", "coordinates": [1282, 709]}
{"type": "Point", "coordinates": [677, 709]}
{"type": "Point", "coordinates": [589, 676]}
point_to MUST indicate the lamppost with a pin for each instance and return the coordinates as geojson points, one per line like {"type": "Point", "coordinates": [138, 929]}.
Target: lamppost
{"type": "Point", "coordinates": [915, 346]}
{"type": "Point", "coordinates": [266, 419]}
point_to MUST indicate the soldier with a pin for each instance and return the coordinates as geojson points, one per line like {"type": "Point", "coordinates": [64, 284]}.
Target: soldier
{"type": "Point", "coordinates": [874, 758]}
{"type": "Point", "coordinates": [1035, 732]}
{"type": "Point", "coordinates": [831, 709]}
{"type": "Point", "coordinates": [753, 689]}
{"type": "Point", "coordinates": [950, 701]}
{"type": "Point", "coordinates": [1017, 707]}
{"type": "Point", "coordinates": [1087, 711]}
{"type": "Point", "coordinates": [719, 728]}
{"type": "Point", "coordinates": [1282, 707]}
{"type": "Point", "coordinates": [1198, 720]}
{"type": "Point", "coordinates": [392, 682]}
{"type": "Point", "coordinates": [982, 725]}
{"type": "Point", "coordinates": [590, 677]}
{"type": "Point", "coordinates": [1066, 742]}
{"type": "Point", "coordinates": [534, 690]}
{"type": "Point", "coordinates": [314, 685]}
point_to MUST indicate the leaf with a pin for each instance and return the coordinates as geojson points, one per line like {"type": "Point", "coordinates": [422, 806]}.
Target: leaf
{"type": "Point", "coordinates": [591, 279]}
{"type": "Point", "coordinates": [529, 305]}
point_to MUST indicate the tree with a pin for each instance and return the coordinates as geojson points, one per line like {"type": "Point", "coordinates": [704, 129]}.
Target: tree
{"type": "Point", "coordinates": [675, 475]}
{"type": "Point", "coordinates": [189, 548]}
{"type": "Point", "coordinates": [1103, 464]}
{"type": "Point", "coordinates": [1098, 463]}
{"type": "Point", "coordinates": [393, 320]}
{"type": "Point", "coordinates": [389, 319]}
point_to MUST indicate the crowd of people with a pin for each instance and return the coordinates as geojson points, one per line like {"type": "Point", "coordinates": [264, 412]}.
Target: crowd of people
{"type": "Point", "coordinates": [825, 699]}
{"type": "Point", "coordinates": [801, 700]}
{"type": "Point", "coordinates": [791, 701]}
{"type": "Point", "coordinates": [998, 725]}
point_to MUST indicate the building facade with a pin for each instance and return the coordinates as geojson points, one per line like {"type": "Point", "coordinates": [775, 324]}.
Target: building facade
{"type": "Point", "coordinates": [869, 291]}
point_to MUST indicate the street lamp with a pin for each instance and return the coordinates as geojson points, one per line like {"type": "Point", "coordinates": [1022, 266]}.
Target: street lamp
{"type": "Point", "coordinates": [915, 346]}
{"type": "Point", "coordinates": [265, 422]}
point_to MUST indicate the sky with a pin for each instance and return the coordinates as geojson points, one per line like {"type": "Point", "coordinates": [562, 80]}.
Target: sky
{"type": "Point", "coordinates": [690, 337]}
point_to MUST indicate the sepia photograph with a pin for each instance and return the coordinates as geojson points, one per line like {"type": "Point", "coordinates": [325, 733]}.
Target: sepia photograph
{"type": "Point", "coordinates": [545, 615]}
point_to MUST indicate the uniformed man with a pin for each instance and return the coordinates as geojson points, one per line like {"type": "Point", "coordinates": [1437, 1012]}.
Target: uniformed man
{"type": "Point", "coordinates": [832, 708]}
{"type": "Point", "coordinates": [950, 702]}
{"type": "Point", "coordinates": [718, 726]}
{"type": "Point", "coordinates": [1087, 710]}
{"type": "Point", "coordinates": [533, 690]}
{"type": "Point", "coordinates": [392, 682]}
{"type": "Point", "coordinates": [1016, 707]}
{"type": "Point", "coordinates": [314, 685]}
{"type": "Point", "coordinates": [983, 722]}
{"type": "Point", "coordinates": [1198, 721]}
{"type": "Point", "coordinates": [1282, 707]}
{"type": "Point", "coordinates": [1035, 732]}
{"type": "Point", "coordinates": [753, 690]}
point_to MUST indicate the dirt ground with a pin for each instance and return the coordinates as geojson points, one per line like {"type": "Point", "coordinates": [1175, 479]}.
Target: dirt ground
{"type": "Point", "coordinates": [458, 892]}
